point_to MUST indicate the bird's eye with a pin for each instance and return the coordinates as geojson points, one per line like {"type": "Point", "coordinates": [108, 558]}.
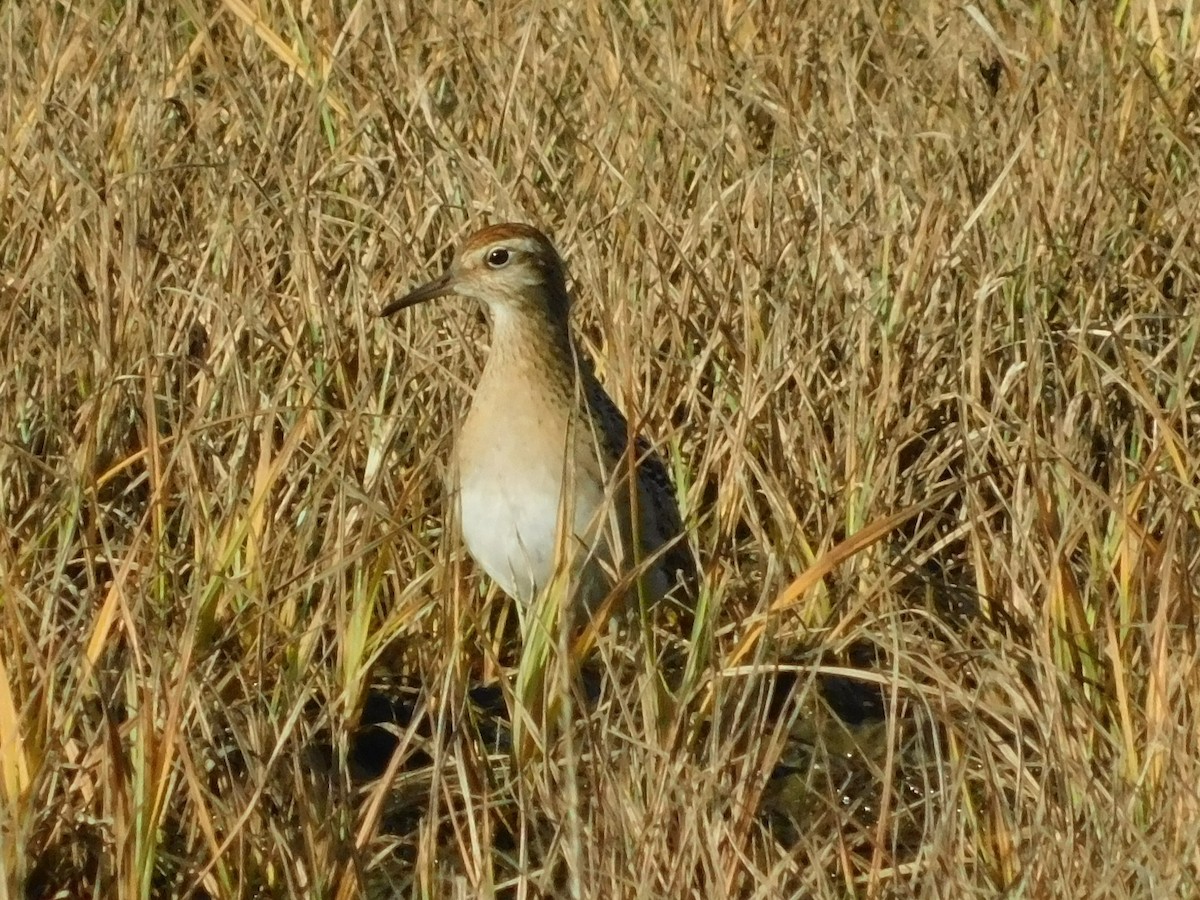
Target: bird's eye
{"type": "Point", "coordinates": [498, 258]}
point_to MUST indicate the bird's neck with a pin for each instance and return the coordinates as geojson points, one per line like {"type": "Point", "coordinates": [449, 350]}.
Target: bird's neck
{"type": "Point", "coordinates": [530, 349]}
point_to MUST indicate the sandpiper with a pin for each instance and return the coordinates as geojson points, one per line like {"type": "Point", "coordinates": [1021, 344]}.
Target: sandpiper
{"type": "Point", "coordinates": [543, 463]}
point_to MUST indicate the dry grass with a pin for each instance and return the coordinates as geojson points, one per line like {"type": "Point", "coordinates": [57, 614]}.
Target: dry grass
{"type": "Point", "coordinates": [843, 264]}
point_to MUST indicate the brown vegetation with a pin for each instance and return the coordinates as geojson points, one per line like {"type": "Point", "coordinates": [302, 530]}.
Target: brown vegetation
{"type": "Point", "coordinates": [909, 300]}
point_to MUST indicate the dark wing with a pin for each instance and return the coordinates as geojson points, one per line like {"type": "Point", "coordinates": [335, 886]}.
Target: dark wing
{"type": "Point", "coordinates": [660, 512]}
{"type": "Point", "coordinates": [678, 560]}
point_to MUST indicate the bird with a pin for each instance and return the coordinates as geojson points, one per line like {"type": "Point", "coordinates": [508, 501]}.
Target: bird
{"type": "Point", "coordinates": [542, 462]}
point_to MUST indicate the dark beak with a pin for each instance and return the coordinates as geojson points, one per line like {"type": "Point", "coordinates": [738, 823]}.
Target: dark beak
{"type": "Point", "coordinates": [436, 288]}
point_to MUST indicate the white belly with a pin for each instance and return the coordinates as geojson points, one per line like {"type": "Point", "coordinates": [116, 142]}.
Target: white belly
{"type": "Point", "coordinates": [510, 514]}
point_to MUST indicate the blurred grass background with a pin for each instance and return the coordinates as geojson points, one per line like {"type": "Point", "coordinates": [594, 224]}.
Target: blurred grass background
{"type": "Point", "coordinates": [841, 262]}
